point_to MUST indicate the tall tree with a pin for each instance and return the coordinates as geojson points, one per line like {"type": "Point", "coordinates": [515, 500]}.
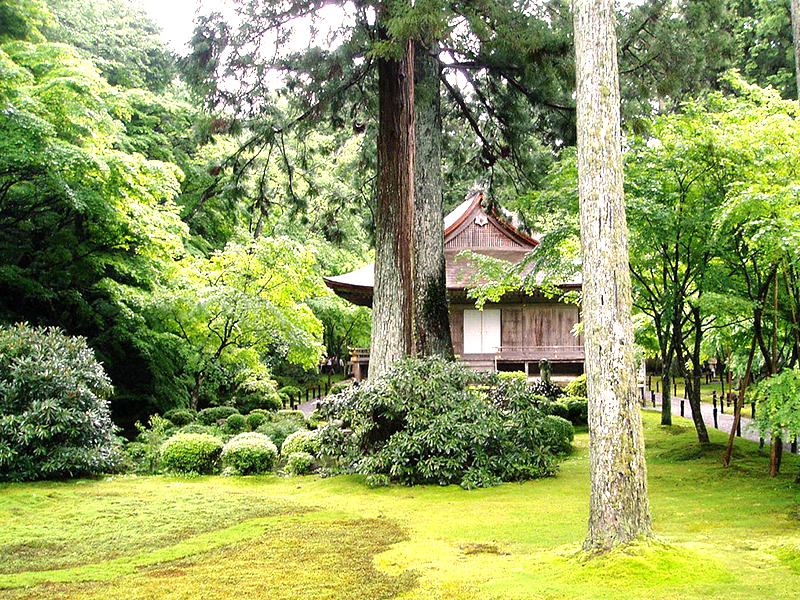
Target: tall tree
{"type": "Point", "coordinates": [393, 299]}
{"type": "Point", "coordinates": [796, 41]}
{"type": "Point", "coordinates": [619, 508]}
{"type": "Point", "coordinates": [431, 318]}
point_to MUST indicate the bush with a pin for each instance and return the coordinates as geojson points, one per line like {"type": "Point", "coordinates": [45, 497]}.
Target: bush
{"type": "Point", "coordinates": [577, 387]}
{"type": "Point", "coordinates": [257, 392]}
{"type": "Point", "coordinates": [254, 420]}
{"type": "Point", "coordinates": [211, 416]}
{"type": "Point", "coordinates": [250, 453]}
{"type": "Point", "coordinates": [577, 410]}
{"type": "Point", "coordinates": [196, 428]}
{"type": "Point", "coordinates": [289, 393]}
{"type": "Point", "coordinates": [278, 431]}
{"type": "Point", "coordinates": [189, 453]}
{"type": "Point", "coordinates": [512, 375]}
{"type": "Point", "coordinates": [424, 422]}
{"type": "Point", "coordinates": [302, 440]}
{"type": "Point", "coordinates": [299, 463]}
{"type": "Point", "coordinates": [234, 424]}
{"type": "Point", "coordinates": [340, 386]}
{"type": "Point", "coordinates": [181, 416]}
{"type": "Point", "coordinates": [54, 414]}
{"type": "Point", "coordinates": [295, 416]}
{"type": "Point", "coordinates": [558, 434]}
{"type": "Point", "coordinates": [549, 390]}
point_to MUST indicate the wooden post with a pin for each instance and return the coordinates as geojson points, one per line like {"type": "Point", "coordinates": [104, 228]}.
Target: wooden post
{"type": "Point", "coordinates": [682, 401]}
{"type": "Point", "coordinates": [716, 426]}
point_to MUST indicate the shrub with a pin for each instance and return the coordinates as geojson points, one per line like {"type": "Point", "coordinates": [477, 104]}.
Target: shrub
{"type": "Point", "coordinates": [189, 453]}
{"type": "Point", "coordinates": [289, 393]}
{"type": "Point", "coordinates": [423, 422]}
{"type": "Point", "coordinates": [577, 387]}
{"type": "Point", "coordinates": [254, 420]}
{"type": "Point", "coordinates": [577, 410]}
{"type": "Point", "coordinates": [234, 424]}
{"type": "Point", "coordinates": [181, 416]}
{"type": "Point", "coordinates": [257, 392]}
{"type": "Point", "coordinates": [250, 453]}
{"type": "Point", "coordinates": [558, 434]}
{"type": "Point", "coordinates": [278, 431]}
{"type": "Point", "coordinates": [339, 386]}
{"type": "Point", "coordinates": [296, 416]}
{"type": "Point", "coordinates": [512, 375]}
{"type": "Point", "coordinates": [302, 440]}
{"type": "Point", "coordinates": [211, 416]}
{"type": "Point", "coordinates": [299, 463]}
{"type": "Point", "coordinates": [196, 428]}
{"type": "Point", "coordinates": [54, 414]}
{"type": "Point", "coordinates": [152, 437]}
{"type": "Point", "coordinates": [550, 390]}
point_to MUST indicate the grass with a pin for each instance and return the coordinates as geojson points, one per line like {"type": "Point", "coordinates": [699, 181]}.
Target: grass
{"type": "Point", "coordinates": [722, 533]}
{"type": "Point", "coordinates": [706, 389]}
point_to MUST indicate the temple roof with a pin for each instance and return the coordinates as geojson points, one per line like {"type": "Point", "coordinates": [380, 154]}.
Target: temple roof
{"type": "Point", "coordinates": [468, 227]}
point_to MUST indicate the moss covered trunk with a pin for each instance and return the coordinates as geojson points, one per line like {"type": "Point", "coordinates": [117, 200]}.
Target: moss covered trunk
{"type": "Point", "coordinates": [392, 314]}
{"type": "Point", "coordinates": [432, 321]}
{"type": "Point", "coordinates": [619, 508]}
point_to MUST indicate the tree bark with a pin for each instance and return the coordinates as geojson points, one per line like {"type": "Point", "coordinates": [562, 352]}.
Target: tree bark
{"type": "Point", "coordinates": [796, 38]}
{"type": "Point", "coordinates": [392, 307]}
{"type": "Point", "coordinates": [431, 318]}
{"type": "Point", "coordinates": [694, 377]}
{"type": "Point", "coordinates": [619, 508]}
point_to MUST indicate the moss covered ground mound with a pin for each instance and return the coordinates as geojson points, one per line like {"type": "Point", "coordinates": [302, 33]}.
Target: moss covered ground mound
{"type": "Point", "coordinates": [722, 533]}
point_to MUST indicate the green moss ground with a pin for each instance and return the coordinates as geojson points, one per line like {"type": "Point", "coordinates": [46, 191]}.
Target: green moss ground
{"type": "Point", "coordinates": [722, 533]}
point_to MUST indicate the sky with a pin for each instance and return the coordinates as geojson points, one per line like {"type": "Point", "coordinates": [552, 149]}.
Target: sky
{"type": "Point", "coordinates": [175, 17]}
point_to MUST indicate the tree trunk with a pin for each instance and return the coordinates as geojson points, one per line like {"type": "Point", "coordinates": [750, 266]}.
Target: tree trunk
{"type": "Point", "coordinates": [392, 306]}
{"type": "Point", "coordinates": [431, 318]}
{"type": "Point", "coordinates": [619, 509]}
{"type": "Point", "coordinates": [796, 37]}
{"type": "Point", "coordinates": [694, 388]}
{"type": "Point", "coordinates": [666, 394]}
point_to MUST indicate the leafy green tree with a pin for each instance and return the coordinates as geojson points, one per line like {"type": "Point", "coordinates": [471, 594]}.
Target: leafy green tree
{"type": "Point", "coordinates": [119, 37]}
{"type": "Point", "coordinates": [778, 408]}
{"type": "Point", "coordinates": [82, 224]}
{"type": "Point", "coordinates": [240, 304]}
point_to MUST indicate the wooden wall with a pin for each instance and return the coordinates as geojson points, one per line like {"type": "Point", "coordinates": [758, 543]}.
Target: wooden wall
{"type": "Point", "coordinates": [536, 324]}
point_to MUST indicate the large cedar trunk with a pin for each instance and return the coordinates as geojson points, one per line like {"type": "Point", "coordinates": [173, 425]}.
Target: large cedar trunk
{"type": "Point", "coordinates": [432, 321]}
{"type": "Point", "coordinates": [619, 509]}
{"type": "Point", "coordinates": [392, 305]}
{"type": "Point", "coordinates": [796, 36]}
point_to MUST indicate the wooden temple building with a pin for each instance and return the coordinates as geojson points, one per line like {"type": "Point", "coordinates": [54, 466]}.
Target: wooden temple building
{"type": "Point", "coordinates": [513, 334]}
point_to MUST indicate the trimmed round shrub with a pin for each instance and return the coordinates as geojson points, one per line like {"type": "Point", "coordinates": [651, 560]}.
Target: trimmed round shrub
{"type": "Point", "coordinates": [235, 424]}
{"type": "Point", "coordinates": [254, 420]}
{"type": "Point", "coordinates": [189, 453]}
{"type": "Point", "coordinates": [278, 431]}
{"type": "Point", "coordinates": [577, 410]}
{"type": "Point", "coordinates": [257, 392]}
{"type": "Point", "coordinates": [181, 416]}
{"type": "Point", "coordinates": [54, 415]}
{"type": "Point", "coordinates": [339, 386]}
{"type": "Point", "coordinates": [299, 463]}
{"type": "Point", "coordinates": [195, 428]}
{"type": "Point", "coordinates": [302, 440]}
{"type": "Point", "coordinates": [288, 393]}
{"type": "Point", "coordinates": [558, 434]}
{"type": "Point", "coordinates": [577, 387]}
{"type": "Point", "coordinates": [214, 414]}
{"type": "Point", "coordinates": [250, 453]}
{"type": "Point", "coordinates": [290, 415]}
